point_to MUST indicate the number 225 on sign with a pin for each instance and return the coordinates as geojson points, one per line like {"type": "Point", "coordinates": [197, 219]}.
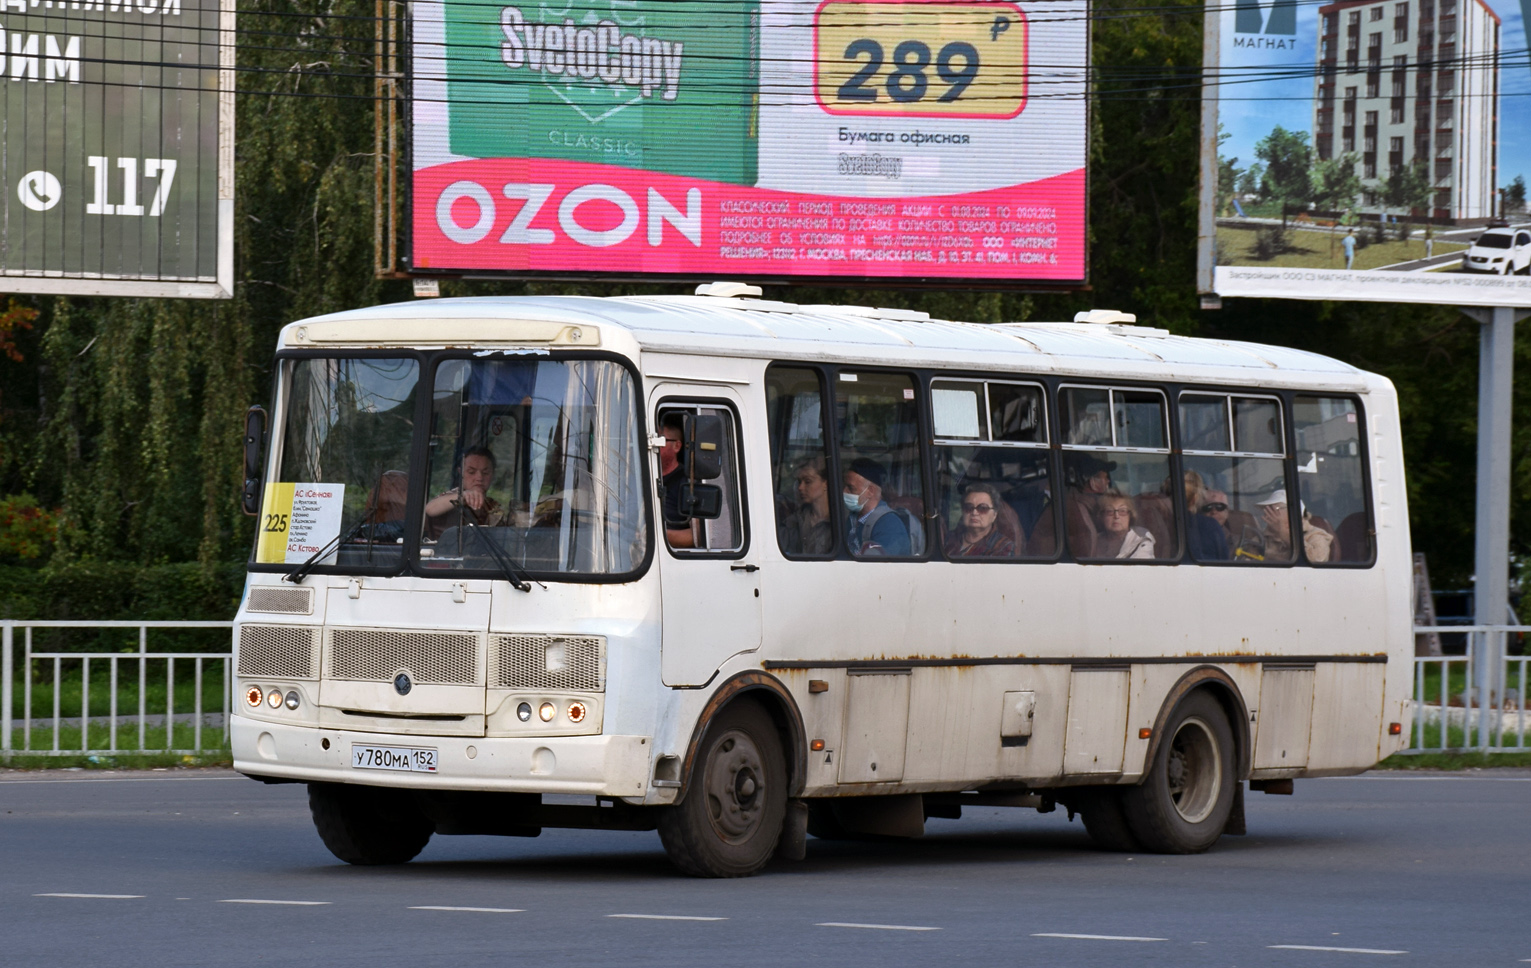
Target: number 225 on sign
{"type": "Point", "coordinates": [920, 59]}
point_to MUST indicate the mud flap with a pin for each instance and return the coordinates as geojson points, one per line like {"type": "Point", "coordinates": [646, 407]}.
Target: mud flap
{"type": "Point", "coordinates": [1235, 824]}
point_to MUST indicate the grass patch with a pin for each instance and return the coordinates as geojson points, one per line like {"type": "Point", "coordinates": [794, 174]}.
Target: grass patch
{"type": "Point", "coordinates": [1311, 250]}
{"type": "Point", "coordinates": [1453, 761]}
{"type": "Point", "coordinates": [155, 743]}
{"type": "Point", "coordinates": [71, 688]}
{"type": "Point", "coordinates": [117, 761]}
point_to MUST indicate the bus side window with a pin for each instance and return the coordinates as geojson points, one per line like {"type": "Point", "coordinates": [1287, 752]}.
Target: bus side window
{"type": "Point", "coordinates": [1118, 499]}
{"type": "Point", "coordinates": [992, 470]}
{"type": "Point", "coordinates": [1330, 479]}
{"type": "Point", "coordinates": [805, 498]}
{"type": "Point", "coordinates": [1235, 478]}
{"type": "Point", "coordinates": [882, 485]}
{"type": "Point", "coordinates": [723, 533]}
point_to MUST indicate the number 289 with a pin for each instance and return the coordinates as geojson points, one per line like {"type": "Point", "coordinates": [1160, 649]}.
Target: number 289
{"type": "Point", "coordinates": [908, 82]}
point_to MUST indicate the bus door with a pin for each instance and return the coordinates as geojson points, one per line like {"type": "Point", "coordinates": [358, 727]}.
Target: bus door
{"type": "Point", "coordinates": [709, 567]}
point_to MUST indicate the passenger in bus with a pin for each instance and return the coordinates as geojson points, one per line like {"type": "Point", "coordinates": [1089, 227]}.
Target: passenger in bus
{"type": "Point", "coordinates": [1317, 543]}
{"type": "Point", "coordinates": [875, 529]}
{"type": "Point", "coordinates": [807, 529]}
{"type": "Point", "coordinates": [1119, 536]}
{"type": "Point", "coordinates": [1204, 537]}
{"type": "Point", "coordinates": [1239, 527]}
{"type": "Point", "coordinates": [1088, 478]}
{"type": "Point", "coordinates": [677, 524]}
{"type": "Point", "coordinates": [980, 534]}
{"type": "Point", "coordinates": [469, 501]}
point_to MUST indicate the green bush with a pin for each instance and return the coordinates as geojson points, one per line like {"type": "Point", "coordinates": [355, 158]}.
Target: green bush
{"type": "Point", "coordinates": [120, 590]}
{"type": "Point", "coordinates": [27, 532]}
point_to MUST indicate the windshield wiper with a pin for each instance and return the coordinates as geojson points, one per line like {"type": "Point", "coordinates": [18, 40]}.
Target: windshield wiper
{"type": "Point", "coordinates": [299, 573]}
{"type": "Point", "coordinates": [514, 575]}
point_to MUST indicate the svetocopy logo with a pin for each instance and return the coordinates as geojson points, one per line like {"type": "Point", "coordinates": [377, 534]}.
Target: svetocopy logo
{"type": "Point", "coordinates": [1253, 17]}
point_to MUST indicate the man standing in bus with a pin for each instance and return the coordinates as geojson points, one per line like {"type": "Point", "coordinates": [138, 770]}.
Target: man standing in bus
{"type": "Point", "coordinates": [875, 528]}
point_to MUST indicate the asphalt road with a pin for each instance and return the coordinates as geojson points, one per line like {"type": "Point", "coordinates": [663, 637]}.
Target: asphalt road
{"type": "Point", "coordinates": [206, 868]}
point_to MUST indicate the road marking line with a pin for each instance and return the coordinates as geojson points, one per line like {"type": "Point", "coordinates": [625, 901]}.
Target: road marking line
{"type": "Point", "coordinates": [665, 917]}
{"type": "Point", "coordinates": [477, 910]}
{"type": "Point", "coordinates": [256, 900]}
{"type": "Point", "coordinates": [111, 897]}
{"type": "Point", "coordinates": [1350, 951]}
{"type": "Point", "coordinates": [1096, 937]}
{"type": "Point", "coordinates": [874, 927]}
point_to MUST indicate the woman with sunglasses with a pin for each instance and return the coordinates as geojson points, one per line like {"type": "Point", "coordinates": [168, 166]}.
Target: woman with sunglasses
{"type": "Point", "coordinates": [979, 536]}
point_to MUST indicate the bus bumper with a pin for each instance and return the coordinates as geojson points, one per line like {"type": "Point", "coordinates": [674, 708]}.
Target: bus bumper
{"type": "Point", "coordinates": [615, 766]}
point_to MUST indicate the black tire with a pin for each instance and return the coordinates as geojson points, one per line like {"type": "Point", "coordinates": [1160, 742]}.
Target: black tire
{"type": "Point", "coordinates": [730, 821]}
{"type": "Point", "coordinates": [1184, 800]}
{"type": "Point", "coordinates": [1105, 820]}
{"type": "Point", "coordinates": [368, 825]}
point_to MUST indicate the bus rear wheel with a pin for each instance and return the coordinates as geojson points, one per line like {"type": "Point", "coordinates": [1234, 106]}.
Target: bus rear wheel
{"type": "Point", "coordinates": [366, 825]}
{"type": "Point", "coordinates": [730, 821]}
{"type": "Point", "coordinates": [1183, 804]}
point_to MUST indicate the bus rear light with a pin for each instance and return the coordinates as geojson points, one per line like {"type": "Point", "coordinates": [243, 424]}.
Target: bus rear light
{"type": "Point", "coordinates": [577, 712]}
{"type": "Point", "coordinates": [1395, 729]}
{"type": "Point", "coordinates": [254, 695]}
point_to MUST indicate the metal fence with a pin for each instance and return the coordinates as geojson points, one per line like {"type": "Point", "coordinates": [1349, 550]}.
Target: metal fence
{"type": "Point", "coordinates": [1471, 702]}
{"type": "Point", "coordinates": [1475, 702]}
{"type": "Point", "coordinates": [68, 727]}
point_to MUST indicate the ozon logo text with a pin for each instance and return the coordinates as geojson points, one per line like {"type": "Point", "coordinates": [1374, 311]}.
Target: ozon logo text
{"type": "Point", "coordinates": [531, 226]}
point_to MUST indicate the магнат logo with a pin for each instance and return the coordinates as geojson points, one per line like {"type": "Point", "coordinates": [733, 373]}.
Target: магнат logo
{"type": "Point", "coordinates": [1274, 24]}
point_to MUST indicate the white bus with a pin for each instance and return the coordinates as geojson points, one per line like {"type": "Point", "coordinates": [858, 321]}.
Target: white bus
{"type": "Point", "coordinates": [739, 570]}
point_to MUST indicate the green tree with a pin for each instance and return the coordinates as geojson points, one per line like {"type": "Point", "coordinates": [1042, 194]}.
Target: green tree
{"type": "Point", "coordinates": [1335, 186]}
{"type": "Point", "coordinates": [1515, 195]}
{"type": "Point", "coordinates": [1287, 158]}
{"type": "Point", "coordinates": [1408, 188]}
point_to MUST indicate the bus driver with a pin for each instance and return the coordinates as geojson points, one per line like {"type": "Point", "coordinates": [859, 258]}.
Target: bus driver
{"type": "Point", "coordinates": [472, 494]}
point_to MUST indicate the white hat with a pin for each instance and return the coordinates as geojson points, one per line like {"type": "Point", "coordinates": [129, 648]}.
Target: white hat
{"type": "Point", "coordinates": [1278, 496]}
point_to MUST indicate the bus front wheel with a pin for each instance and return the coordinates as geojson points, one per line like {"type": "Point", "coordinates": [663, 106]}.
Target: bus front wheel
{"type": "Point", "coordinates": [366, 825]}
{"type": "Point", "coordinates": [731, 818]}
{"type": "Point", "coordinates": [1183, 804]}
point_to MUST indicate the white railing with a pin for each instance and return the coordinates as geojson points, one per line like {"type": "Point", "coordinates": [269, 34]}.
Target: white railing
{"type": "Point", "coordinates": [1475, 701]}
{"type": "Point", "coordinates": [71, 668]}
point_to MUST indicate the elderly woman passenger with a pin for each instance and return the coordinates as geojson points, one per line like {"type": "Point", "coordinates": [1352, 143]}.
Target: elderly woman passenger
{"type": "Point", "coordinates": [978, 535]}
{"type": "Point", "coordinates": [1119, 536]}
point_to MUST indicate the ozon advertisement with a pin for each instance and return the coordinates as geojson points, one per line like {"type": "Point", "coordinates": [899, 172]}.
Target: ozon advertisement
{"type": "Point", "coordinates": [837, 139]}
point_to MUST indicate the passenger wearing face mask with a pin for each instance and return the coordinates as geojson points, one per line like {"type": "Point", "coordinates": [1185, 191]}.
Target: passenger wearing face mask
{"type": "Point", "coordinates": [874, 529]}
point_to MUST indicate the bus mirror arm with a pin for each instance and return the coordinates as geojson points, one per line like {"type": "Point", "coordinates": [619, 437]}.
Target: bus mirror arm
{"type": "Point", "coordinates": [255, 444]}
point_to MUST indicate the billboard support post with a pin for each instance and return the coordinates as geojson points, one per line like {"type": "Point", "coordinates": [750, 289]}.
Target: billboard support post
{"type": "Point", "coordinates": [1206, 228]}
{"type": "Point", "coordinates": [1496, 371]}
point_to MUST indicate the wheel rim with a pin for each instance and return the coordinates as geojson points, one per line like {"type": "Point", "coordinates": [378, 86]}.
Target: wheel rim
{"type": "Point", "coordinates": [735, 787]}
{"type": "Point", "coordinates": [1194, 770]}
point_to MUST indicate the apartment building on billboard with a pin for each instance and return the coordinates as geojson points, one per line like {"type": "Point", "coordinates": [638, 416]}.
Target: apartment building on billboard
{"type": "Point", "coordinates": [1400, 80]}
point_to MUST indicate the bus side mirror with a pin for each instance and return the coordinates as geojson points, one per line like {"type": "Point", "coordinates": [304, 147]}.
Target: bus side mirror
{"type": "Point", "coordinates": [701, 447]}
{"type": "Point", "coordinates": [701, 500]}
{"type": "Point", "coordinates": [255, 441]}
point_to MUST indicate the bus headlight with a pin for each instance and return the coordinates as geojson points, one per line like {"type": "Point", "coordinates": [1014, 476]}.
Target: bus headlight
{"type": "Point", "coordinates": [292, 699]}
{"type": "Point", "coordinates": [274, 699]}
{"type": "Point", "coordinates": [547, 712]}
{"type": "Point", "coordinates": [524, 712]}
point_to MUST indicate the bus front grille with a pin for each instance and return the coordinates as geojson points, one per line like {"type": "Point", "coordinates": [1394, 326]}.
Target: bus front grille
{"type": "Point", "coordinates": [575, 663]}
{"type": "Point", "coordinates": [292, 601]}
{"type": "Point", "coordinates": [277, 651]}
{"type": "Point", "coordinates": [437, 658]}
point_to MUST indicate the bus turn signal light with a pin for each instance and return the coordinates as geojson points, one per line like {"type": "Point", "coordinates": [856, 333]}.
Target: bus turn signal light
{"type": "Point", "coordinates": [577, 712]}
{"type": "Point", "coordinates": [1395, 729]}
{"type": "Point", "coordinates": [254, 695]}
{"type": "Point", "coordinates": [1145, 732]}
{"type": "Point", "coordinates": [817, 746]}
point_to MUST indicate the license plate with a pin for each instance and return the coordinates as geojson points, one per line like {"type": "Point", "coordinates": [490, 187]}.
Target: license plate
{"type": "Point", "coordinates": [399, 758]}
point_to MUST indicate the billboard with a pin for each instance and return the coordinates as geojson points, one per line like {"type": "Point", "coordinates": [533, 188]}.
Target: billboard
{"type": "Point", "coordinates": [1368, 150]}
{"type": "Point", "coordinates": [769, 139]}
{"type": "Point", "coordinates": [118, 147]}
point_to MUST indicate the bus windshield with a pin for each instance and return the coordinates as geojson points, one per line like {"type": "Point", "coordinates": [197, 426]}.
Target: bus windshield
{"type": "Point", "coordinates": [344, 467]}
{"type": "Point", "coordinates": [536, 463]}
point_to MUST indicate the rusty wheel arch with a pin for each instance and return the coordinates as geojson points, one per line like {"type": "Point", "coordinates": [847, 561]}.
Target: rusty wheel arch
{"type": "Point", "coordinates": [778, 703]}
{"type": "Point", "coordinates": [1227, 694]}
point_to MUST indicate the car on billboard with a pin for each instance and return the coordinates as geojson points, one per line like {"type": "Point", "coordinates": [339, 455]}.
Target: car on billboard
{"type": "Point", "coordinates": [1500, 251]}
